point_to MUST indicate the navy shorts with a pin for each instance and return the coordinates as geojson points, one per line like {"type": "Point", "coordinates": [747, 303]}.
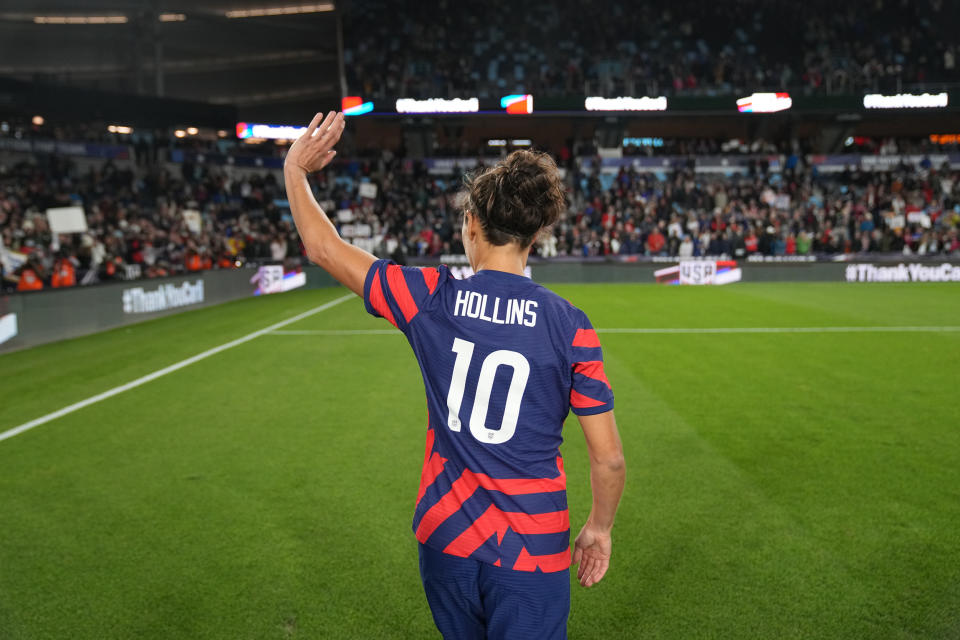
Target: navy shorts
{"type": "Point", "coordinates": [471, 599]}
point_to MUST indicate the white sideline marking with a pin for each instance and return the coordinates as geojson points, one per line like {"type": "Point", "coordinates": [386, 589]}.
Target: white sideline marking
{"type": "Point", "coordinates": [647, 330]}
{"type": "Point", "coordinates": [780, 330]}
{"type": "Point", "coordinates": [338, 332]}
{"type": "Point", "coordinates": [162, 372]}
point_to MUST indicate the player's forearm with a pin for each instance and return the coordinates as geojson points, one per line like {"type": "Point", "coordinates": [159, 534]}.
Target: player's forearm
{"type": "Point", "coordinates": [607, 477]}
{"type": "Point", "coordinates": [347, 263]}
{"type": "Point", "coordinates": [315, 228]}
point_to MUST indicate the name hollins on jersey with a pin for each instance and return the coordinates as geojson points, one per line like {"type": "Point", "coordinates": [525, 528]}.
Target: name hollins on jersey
{"type": "Point", "coordinates": [471, 304]}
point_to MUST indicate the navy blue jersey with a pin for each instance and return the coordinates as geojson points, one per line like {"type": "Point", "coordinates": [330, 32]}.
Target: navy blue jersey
{"type": "Point", "coordinates": [504, 360]}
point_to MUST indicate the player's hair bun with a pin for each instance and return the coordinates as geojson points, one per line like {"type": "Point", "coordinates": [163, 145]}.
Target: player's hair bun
{"type": "Point", "coordinates": [516, 198]}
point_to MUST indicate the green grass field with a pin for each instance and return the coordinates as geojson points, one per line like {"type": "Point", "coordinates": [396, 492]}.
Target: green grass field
{"type": "Point", "coordinates": [780, 485]}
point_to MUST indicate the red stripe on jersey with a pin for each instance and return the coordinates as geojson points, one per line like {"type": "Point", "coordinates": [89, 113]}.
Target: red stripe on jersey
{"type": "Point", "coordinates": [430, 276]}
{"type": "Point", "coordinates": [586, 338]}
{"type": "Point", "coordinates": [401, 292]}
{"type": "Point", "coordinates": [378, 302]}
{"type": "Point", "coordinates": [520, 486]}
{"type": "Point", "coordinates": [492, 521]}
{"type": "Point", "coordinates": [468, 482]}
{"type": "Point", "coordinates": [592, 369]}
{"type": "Point", "coordinates": [495, 521]}
{"type": "Point", "coordinates": [460, 491]}
{"type": "Point", "coordinates": [431, 469]}
{"type": "Point", "coordinates": [536, 523]}
{"type": "Point", "coordinates": [431, 436]}
{"type": "Point", "coordinates": [497, 563]}
{"type": "Point", "coordinates": [580, 401]}
{"type": "Point", "coordinates": [547, 564]}
{"type": "Point", "coordinates": [508, 486]}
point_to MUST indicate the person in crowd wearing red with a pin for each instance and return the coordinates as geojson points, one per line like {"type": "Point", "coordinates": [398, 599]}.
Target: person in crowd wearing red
{"type": "Point", "coordinates": [791, 245]}
{"type": "Point", "coordinates": [64, 273]}
{"type": "Point", "coordinates": [31, 276]}
{"type": "Point", "coordinates": [655, 242]}
{"type": "Point", "coordinates": [193, 260]}
{"type": "Point", "coordinates": [751, 243]}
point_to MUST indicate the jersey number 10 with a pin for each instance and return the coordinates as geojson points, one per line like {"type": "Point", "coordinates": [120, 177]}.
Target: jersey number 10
{"type": "Point", "coordinates": [481, 398]}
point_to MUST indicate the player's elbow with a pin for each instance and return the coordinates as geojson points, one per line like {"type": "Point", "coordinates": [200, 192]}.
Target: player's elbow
{"type": "Point", "coordinates": [317, 254]}
{"type": "Point", "coordinates": [612, 462]}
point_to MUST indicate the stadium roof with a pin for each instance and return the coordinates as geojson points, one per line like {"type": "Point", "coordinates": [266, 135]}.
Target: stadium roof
{"type": "Point", "coordinates": [275, 60]}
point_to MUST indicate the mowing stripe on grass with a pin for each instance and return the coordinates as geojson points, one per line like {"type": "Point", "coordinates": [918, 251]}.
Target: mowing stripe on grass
{"type": "Point", "coordinates": [371, 332]}
{"type": "Point", "coordinates": [162, 372]}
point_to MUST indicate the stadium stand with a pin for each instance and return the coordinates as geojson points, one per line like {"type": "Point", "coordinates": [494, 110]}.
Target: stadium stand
{"type": "Point", "coordinates": [137, 224]}
{"type": "Point", "coordinates": [662, 47]}
{"type": "Point", "coordinates": [136, 200]}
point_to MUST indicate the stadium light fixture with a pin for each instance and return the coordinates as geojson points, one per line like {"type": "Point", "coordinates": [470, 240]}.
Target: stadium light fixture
{"type": "Point", "coordinates": [261, 12]}
{"type": "Point", "coordinates": [521, 142]}
{"type": "Point", "coordinates": [121, 129]}
{"type": "Point", "coordinates": [180, 133]}
{"type": "Point", "coordinates": [37, 121]}
{"type": "Point", "coordinates": [496, 142]}
{"type": "Point", "coordinates": [172, 17]}
{"type": "Point", "coordinates": [114, 19]}
{"type": "Point", "coordinates": [192, 131]}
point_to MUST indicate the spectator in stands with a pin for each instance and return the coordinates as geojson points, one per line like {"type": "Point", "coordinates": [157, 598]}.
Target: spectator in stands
{"type": "Point", "coordinates": [278, 249]}
{"type": "Point", "coordinates": [64, 272]}
{"type": "Point", "coordinates": [656, 243]}
{"type": "Point", "coordinates": [624, 48]}
{"type": "Point", "coordinates": [137, 226]}
{"type": "Point", "coordinates": [31, 276]}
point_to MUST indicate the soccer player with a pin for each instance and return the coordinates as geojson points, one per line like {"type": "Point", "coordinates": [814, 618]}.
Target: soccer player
{"type": "Point", "coordinates": [503, 360]}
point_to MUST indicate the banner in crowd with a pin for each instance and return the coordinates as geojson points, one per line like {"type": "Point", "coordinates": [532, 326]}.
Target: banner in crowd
{"type": "Point", "coordinates": [368, 190]}
{"type": "Point", "coordinates": [67, 220]}
{"type": "Point", "coordinates": [700, 272]}
{"type": "Point", "coordinates": [193, 220]}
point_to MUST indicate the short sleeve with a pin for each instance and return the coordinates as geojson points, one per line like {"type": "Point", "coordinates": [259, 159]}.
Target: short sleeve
{"type": "Point", "coordinates": [590, 391]}
{"type": "Point", "coordinates": [398, 293]}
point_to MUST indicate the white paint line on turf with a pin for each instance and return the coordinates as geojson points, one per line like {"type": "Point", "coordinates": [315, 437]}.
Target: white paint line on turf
{"type": "Point", "coordinates": [338, 332]}
{"type": "Point", "coordinates": [162, 372]}
{"type": "Point", "coordinates": [658, 330]}
{"type": "Point", "coordinates": [781, 330]}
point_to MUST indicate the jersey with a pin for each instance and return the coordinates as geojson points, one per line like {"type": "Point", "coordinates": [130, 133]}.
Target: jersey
{"type": "Point", "coordinates": [503, 360]}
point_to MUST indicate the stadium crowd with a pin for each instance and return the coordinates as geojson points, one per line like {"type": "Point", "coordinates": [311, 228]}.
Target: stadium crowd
{"type": "Point", "coordinates": [173, 219]}
{"type": "Point", "coordinates": [140, 224]}
{"type": "Point", "coordinates": [659, 47]}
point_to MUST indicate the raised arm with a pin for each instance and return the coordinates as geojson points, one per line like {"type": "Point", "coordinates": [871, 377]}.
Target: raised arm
{"type": "Point", "coordinates": [311, 153]}
{"type": "Point", "coordinates": [593, 546]}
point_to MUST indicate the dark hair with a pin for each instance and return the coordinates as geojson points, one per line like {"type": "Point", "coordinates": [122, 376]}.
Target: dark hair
{"type": "Point", "coordinates": [516, 198]}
